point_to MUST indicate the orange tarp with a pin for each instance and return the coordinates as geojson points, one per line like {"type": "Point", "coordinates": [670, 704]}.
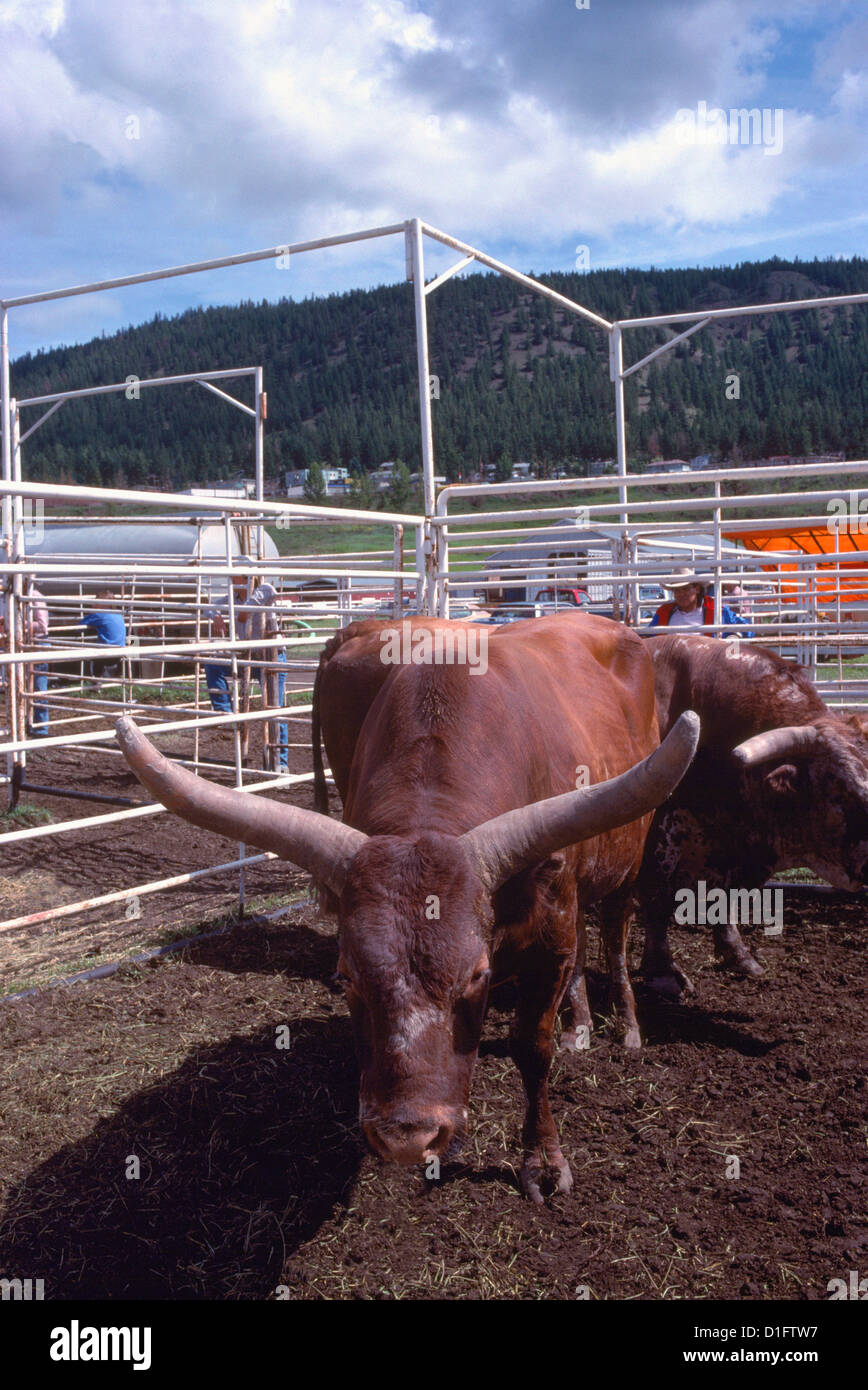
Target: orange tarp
{"type": "Point", "coordinates": [817, 540]}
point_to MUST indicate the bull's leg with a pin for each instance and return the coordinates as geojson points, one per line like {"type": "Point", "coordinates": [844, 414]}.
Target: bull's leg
{"type": "Point", "coordinates": [541, 987]}
{"type": "Point", "coordinates": [661, 970]}
{"type": "Point", "coordinates": [729, 946]}
{"type": "Point", "coordinates": [676, 853]}
{"type": "Point", "coordinates": [616, 913]}
{"type": "Point", "coordinates": [576, 1022]}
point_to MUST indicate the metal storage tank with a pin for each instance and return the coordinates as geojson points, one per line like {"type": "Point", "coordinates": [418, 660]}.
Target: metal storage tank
{"type": "Point", "coordinates": [139, 543]}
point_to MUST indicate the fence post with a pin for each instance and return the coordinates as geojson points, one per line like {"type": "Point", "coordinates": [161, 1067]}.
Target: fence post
{"type": "Point", "coordinates": [398, 565]}
{"type": "Point", "coordinates": [416, 258]}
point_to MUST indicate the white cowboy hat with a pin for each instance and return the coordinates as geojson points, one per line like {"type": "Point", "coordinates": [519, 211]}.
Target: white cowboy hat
{"type": "Point", "coordinates": [683, 576]}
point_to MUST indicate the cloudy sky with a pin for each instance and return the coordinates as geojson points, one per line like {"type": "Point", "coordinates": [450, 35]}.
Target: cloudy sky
{"type": "Point", "coordinates": [149, 133]}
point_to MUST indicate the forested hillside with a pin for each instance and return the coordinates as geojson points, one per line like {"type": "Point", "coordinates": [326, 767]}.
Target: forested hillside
{"type": "Point", "coordinates": [515, 377]}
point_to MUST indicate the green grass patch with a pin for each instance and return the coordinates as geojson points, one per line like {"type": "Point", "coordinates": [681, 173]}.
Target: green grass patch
{"type": "Point", "coordinates": [25, 814]}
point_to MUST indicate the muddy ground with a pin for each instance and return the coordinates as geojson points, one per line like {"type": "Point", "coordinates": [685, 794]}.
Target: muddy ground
{"type": "Point", "coordinates": [252, 1176]}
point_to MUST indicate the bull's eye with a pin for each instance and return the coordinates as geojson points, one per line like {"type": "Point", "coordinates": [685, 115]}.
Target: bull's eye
{"type": "Point", "coordinates": [468, 1013]}
{"type": "Point", "coordinates": [340, 981]}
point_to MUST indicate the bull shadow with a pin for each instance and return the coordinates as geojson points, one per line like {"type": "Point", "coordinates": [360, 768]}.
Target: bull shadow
{"type": "Point", "coordinates": [660, 1020]}
{"type": "Point", "coordinates": [262, 947]}
{"type": "Point", "coordinates": [663, 1021]}
{"type": "Point", "coordinates": [244, 1152]}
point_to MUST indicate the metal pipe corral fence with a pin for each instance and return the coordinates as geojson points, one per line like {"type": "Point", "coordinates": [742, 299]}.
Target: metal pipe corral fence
{"type": "Point", "coordinates": [618, 537]}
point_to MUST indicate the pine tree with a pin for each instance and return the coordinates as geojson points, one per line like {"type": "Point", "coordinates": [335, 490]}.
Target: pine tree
{"type": "Point", "coordinates": [400, 489]}
{"type": "Point", "coordinates": [363, 495]}
{"type": "Point", "coordinates": [315, 486]}
{"type": "Point", "coordinates": [503, 468]}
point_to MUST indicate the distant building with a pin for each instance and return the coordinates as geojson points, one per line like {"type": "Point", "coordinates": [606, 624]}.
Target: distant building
{"type": "Point", "coordinates": [240, 490]}
{"type": "Point", "coordinates": [567, 555]}
{"type": "Point", "coordinates": [671, 466]}
{"type": "Point", "coordinates": [332, 477]}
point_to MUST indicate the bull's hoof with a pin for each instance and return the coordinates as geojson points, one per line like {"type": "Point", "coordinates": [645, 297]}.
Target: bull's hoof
{"type": "Point", "coordinates": [673, 985]}
{"type": "Point", "coordinates": [565, 1179]}
{"type": "Point", "coordinates": [747, 966]}
{"type": "Point", "coordinates": [632, 1038]}
{"type": "Point", "coordinates": [554, 1173]}
{"type": "Point", "coordinates": [740, 962]}
{"type": "Point", "coordinates": [575, 1039]}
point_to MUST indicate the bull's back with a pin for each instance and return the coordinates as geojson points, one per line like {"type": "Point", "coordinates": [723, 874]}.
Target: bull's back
{"type": "Point", "coordinates": [352, 671]}
{"type": "Point", "coordinates": [564, 701]}
{"type": "Point", "coordinates": [737, 691]}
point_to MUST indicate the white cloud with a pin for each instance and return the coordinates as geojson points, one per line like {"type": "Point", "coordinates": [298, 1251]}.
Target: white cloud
{"type": "Point", "coordinates": [302, 108]}
{"type": "Point", "coordinates": [530, 124]}
{"type": "Point", "coordinates": [33, 16]}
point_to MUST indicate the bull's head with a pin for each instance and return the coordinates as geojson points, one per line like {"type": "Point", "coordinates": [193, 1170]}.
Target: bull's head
{"type": "Point", "coordinates": [815, 777]}
{"type": "Point", "coordinates": [415, 917]}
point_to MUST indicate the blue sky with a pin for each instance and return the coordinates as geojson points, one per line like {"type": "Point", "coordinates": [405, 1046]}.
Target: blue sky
{"type": "Point", "coordinates": [150, 133]}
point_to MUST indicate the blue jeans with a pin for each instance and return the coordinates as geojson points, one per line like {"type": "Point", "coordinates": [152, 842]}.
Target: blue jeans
{"type": "Point", "coordinates": [217, 680]}
{"type": "Point", "coordinates": [40, 713]}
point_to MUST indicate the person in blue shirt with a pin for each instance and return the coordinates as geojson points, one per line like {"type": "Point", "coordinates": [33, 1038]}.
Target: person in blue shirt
{"type": "Point", "coordinates": [36, 628]}
{"type": "Point", "coordinates": [255, 618]}
{"type": "Point", "coordinates": [110, 631]}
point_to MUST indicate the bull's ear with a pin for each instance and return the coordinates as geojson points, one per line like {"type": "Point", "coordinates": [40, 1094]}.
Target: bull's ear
{"type": "Point", "coordinates": [782, 779]}
{"type": "Point", "coordinates": [550, 868]}
{"type": "Point", "coordinates": [518, 896]}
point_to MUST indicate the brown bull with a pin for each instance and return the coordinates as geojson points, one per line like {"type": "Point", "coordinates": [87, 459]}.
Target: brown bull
{"type": "Point", "coordinates": [466, 855]}
{"type": "Point", "coordinates": [780, 781]}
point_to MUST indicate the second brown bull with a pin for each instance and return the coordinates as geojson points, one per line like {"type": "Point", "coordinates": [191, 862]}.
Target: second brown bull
{"type": "Point", "coordinates": [780, 782]}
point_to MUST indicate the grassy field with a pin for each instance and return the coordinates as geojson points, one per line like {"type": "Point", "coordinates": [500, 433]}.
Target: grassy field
{"type": "Point", "coordinates": [331, 537]}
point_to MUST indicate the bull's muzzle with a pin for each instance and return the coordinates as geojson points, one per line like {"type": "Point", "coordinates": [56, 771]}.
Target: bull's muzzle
{"type": "Point", "coordinates": [412, 1138]}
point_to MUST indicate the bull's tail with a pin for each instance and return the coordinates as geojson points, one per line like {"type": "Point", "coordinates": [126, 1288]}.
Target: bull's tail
{"type": "Point", "coordinates": [320, 790]}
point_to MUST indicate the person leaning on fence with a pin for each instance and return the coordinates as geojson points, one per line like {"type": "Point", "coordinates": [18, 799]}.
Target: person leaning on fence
{"type": "Point", "coordinates": [36, 630]}
{"type": "Point", "coordinates": [692, 606]}
{"type": "Point", "coordinates": [111, 631]}
{"type": "Point", "coordinates": [254, 618]}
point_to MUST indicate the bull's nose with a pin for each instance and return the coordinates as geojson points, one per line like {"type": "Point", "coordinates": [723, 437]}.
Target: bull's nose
{"type": "Point", "coordinates": [408, 1142]}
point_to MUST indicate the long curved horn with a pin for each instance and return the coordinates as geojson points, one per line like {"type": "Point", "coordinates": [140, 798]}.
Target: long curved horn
{"type": "Point", "coordinates": [776, 743]}
{"type": "Point", "coordinates": [322, 846]}
{"type": "Point", "coordinates": [511, 842]}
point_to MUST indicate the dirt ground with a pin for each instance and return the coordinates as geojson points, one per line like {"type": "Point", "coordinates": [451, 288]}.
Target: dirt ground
{"type": "Point", "coordinates": [47, 872]}
{"type": "Point", "coordinates": [252, 1176]}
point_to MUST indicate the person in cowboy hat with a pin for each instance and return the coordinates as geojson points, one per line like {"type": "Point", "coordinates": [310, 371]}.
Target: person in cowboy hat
{"type": "Point", "coordinates": [692, 606]}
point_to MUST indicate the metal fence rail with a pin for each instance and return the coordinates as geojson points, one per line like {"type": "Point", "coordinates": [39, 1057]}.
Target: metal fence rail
{"type": "Point", "coordinates": [811, 607]}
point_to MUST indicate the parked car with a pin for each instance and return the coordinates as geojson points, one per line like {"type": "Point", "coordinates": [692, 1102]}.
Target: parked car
{"type": "Point", "coordinates": [516, 613]}
{"type": "Point", "coordinates": [544, 610]}
{"type": "Point", "coordinates": [650, 598]}
{"type": "Point", "coordinates": [564, 597]}
{"type": "Point", "coordinates": [468, 613]}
